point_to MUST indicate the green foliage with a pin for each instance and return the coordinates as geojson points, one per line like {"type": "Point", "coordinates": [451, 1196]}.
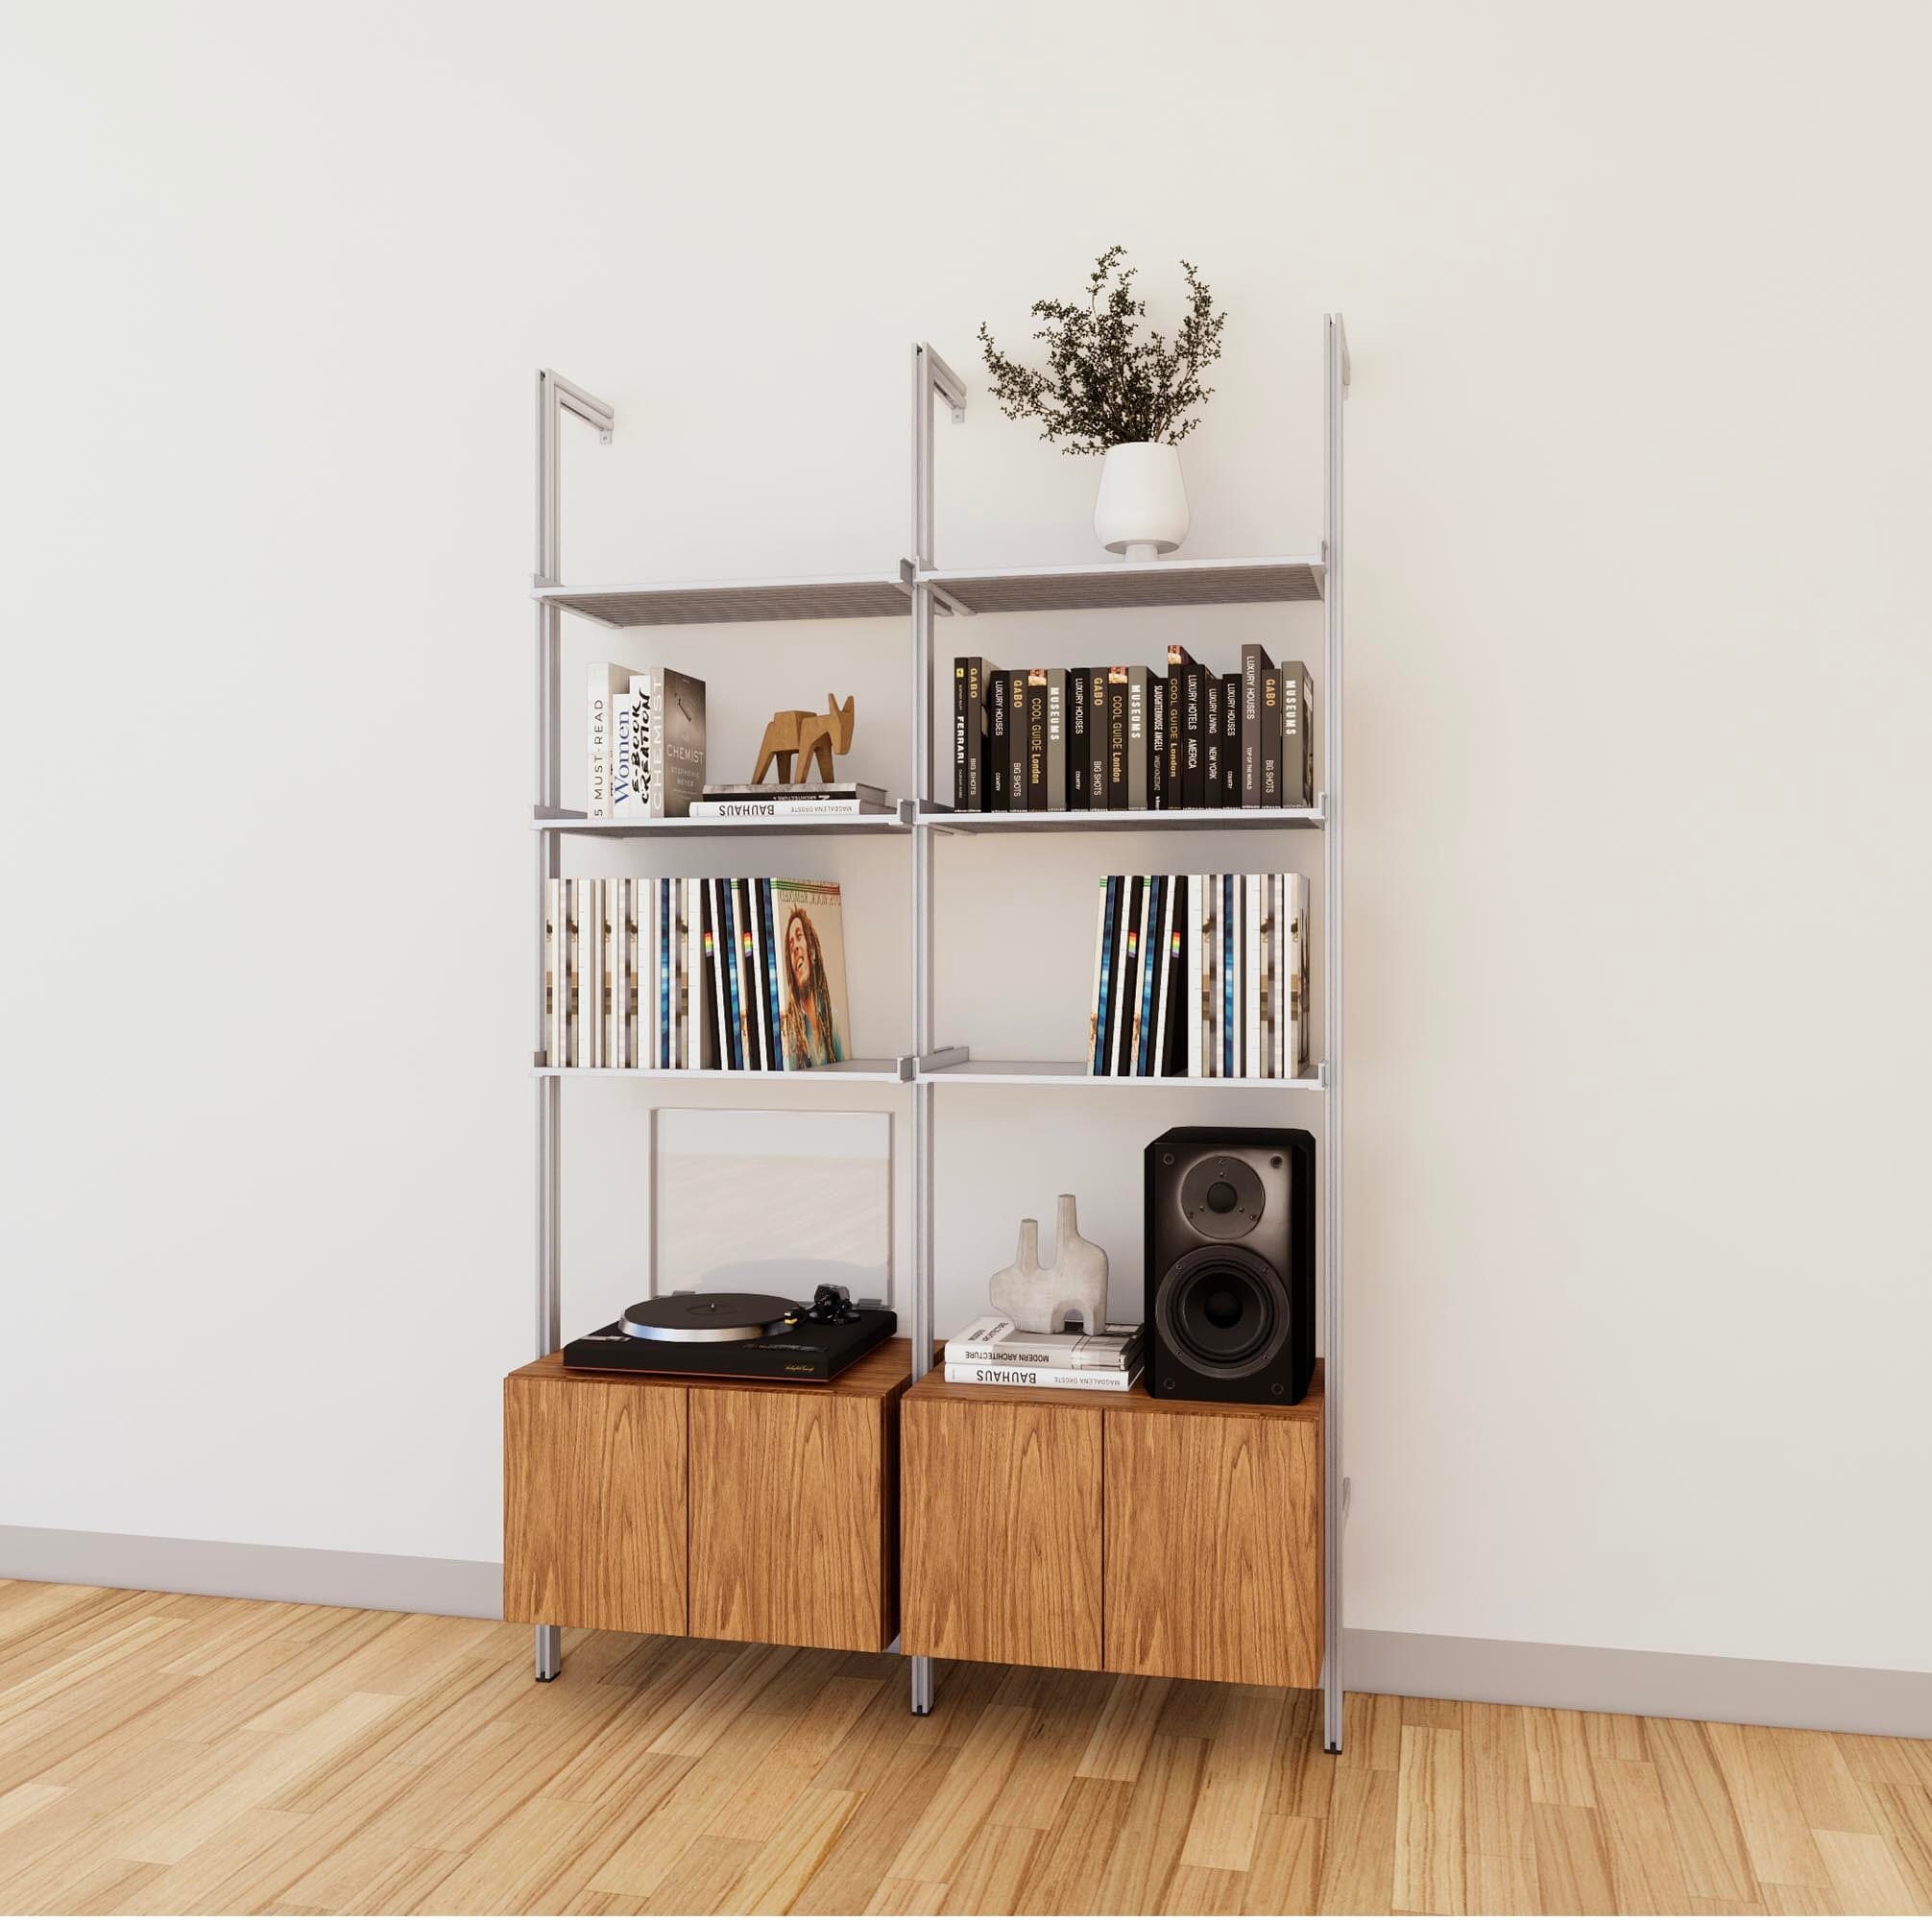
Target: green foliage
{"type": "Point", "coordinates": [1104, 386]}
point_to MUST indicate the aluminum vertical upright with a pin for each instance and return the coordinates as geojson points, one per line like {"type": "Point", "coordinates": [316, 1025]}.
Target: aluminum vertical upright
{"type": "Point", "coordinates": [931, 375]}
{"type": "Point", "coordinates": [555, 396]}
{"type": "Point", "coordinates": [1334, 1484]}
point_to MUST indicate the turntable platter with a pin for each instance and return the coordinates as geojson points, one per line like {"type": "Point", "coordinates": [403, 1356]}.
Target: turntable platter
{"type": "Point", "coordinates": [709, 1316]}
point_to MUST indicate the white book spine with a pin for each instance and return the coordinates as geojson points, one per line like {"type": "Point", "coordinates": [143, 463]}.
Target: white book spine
{"type": "Point", "coordinates": [568, 975]}
{"type": "Point", "coordinates": [598, 797]}
{"type": "Point", "coordinates": [1164, 977]}
{"type": "Point", "coordinates": [1078, 1379]}
{"type": "Point", "coordinates": [650, 746]}
{"type": "Point", "coordinates": [690, 1037]}
{"type": "Point", "coordinates": [1191, 1007]}
{"type": "Point", "coordinates": [553, 947]}
{"type": "Point", "coordinates": [591, 980]}
{"type": "Point", "coordinates": [622, 756]}
{"type": "Point", "coordinates": [1019, 1353]}
{"type": "Point", "coordinates": [720, 960]}
{"type": "Point", "coordinates": [786, 809]}
{"type": "Point", "coordinates": [616, 968]}
{"type": "Point", "coordinates": [1250, 975]}
{"type": "Point", "coordinates": [1299, 981]}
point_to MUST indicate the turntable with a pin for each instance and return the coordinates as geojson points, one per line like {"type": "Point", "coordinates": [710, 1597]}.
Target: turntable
{"type": "Point", "coordinates": [737, 1337]}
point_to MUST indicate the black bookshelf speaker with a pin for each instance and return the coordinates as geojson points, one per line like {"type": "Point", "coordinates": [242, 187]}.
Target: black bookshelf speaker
{"type": "Point", "coordinates": [1230, 1264]}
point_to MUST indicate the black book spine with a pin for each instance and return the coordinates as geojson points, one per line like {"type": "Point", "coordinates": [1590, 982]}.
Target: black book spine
{"type": "Point", "coordinates": [996, 767]}
{"type": "Point", "coordinates": [1016, 744]}
{"type": "Point", "coordinates": [1117, 739]}
{"type": "Point", "coordinates": [1230, 740]}
{"type": "Point", "coordinates": [1127, 975]}
{"type": "Point", "coordinates": [1270, 737]}
{"type": "Point", "coordinates": [1253, 663]}
{"type": "Point", "coordinates": [1078, 693]}
{"type": "Point", "coordinates": [960, 802]}
{"type": "Point", "coordinates": [1036, 741]}
{"type": "Point", "coordinates": [1211, 780]}
{"type": "Point", "coordinates": [1172, 782]}
{"type": "Point", "coordinates": [1097, 740]}
{"type": "Point", "coordinates": [1157, 741]}
{"type": "Point", "coordinates": [1193, 769]}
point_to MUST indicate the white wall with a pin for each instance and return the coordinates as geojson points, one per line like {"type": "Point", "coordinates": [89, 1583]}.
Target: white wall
{"type": "Point", "coordinates": [1638, 906]}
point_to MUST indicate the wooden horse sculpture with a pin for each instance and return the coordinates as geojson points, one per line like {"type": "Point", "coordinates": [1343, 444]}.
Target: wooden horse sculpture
{"type": "Point", "coordinates": [806, 737]}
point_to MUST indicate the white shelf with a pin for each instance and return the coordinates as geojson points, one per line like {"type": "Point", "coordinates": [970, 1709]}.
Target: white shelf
{"type": "Point", "coordinates": [1127, 583]}
{"type": "Point", "coordinates": [891, 1071]}
{"type": "Point", "coordinates": [1076, 1073]}
{"type": "Point", "coordinates": [698, 603]}
{"type": "Point", "coordinates": [1198, 819]}
{"type": "Point", "coordinates": [897, 821]}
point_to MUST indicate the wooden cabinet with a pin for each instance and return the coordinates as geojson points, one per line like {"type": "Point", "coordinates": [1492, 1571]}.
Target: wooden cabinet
{"type": "Point", "coordinates": [1118, 1531]}
{"type": "Point", "coordinates": [732, 1510]}
{"type": "Point", "coordinates": [594, 1502]}
{"type": "Point", "coordinates": [1002, 1531]}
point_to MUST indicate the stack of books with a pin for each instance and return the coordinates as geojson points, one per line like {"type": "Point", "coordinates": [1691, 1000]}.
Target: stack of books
{"type": "Point", "coordinates": [681, 975]}
{"type": "Point", "coordinates": [1200, 976]}
{"type": "Point", "coordinates": [992, 1352]}
{"type": "Point", "coordinates": [804, 800]}
{"type": "Point", "coordinates": [647, 742]}
{"type": "Point", "coordinates": [1086, 739]}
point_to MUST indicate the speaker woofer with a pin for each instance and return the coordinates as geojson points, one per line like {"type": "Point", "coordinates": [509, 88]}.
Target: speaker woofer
{"type": "Point", "coordinates": [1222, 1311]}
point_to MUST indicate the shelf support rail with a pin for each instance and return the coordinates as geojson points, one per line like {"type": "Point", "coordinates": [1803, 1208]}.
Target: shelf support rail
{"type": "Point", "coordinates": [555, 397]}
{"type": "Point", "coordinates": [1334, 1486]}
{"type": "Point", "coordinates": [930, 377]}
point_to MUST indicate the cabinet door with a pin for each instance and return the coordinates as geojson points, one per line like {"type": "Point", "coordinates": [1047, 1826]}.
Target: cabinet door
{"type": "Point", "coordinates": [792, 1519]}
{"type": "Point", "coordinates": [1214, 1547]}
{"type": "Point", "coordinates": [1002, 1531]}
{"type": "Point", "coordinates": [593, 1504]}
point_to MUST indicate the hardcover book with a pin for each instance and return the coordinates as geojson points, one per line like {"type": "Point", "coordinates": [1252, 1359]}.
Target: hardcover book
{"type": "Point", "coordinates": [1193, 767]}
{"type": "Point", "coordinates": [1270, 737]}
{"type": "Point", "coordinates": [1077, 1379]}
{"type": "Point", "coordinates": [670, 759]}
{"type": "Point", "coordinates": [1297, 1054]}
{"type": "Point", "coordinates": [814, 1019]}
{"type": "Point", "coordinates": [1178, 661]}
{"type": "Point", "coordinates": [609, 684]}
{"type": "Point", "coordinates": [1036, 739]}
{"type": "Point", "coordinates": [1297, 735]}
{"type": "Point", "coordinates": [1097, 739]}
{"type": "Point", "coordinates": [1079, 697]}
{"type": "Point", "coordinates": [1157, 742]}
{"type": "Point", "coordinates": [993, 1340]}
{"type": "Point", "coordinates": [969, 736]}
{"type": "Point", "coordinates": [1139, 740]}
{"type": "Point", "coordinates": [1058, 798]}
{"type": "Point", "coordinates": [787, 807]}
{"type": "Point", "coordinates": [1016, 745]}
{"type": "Point", "coordinates": [1128, 979]}
{"type": "Point", "coordinates": [998, 761]}
{"type": "Point", "coordinates": [1210, 738]}
{"type": "Point", "coordinates": [553, 998]}
{"type": "Point", "coordinates": [1254, 663]}
{"type": "Point", "coordinates": [1153, 945]}
{"type": "Point", "coordinates": [1117, 679]}
{"type": "Point", "coordinates": [1230, 741]}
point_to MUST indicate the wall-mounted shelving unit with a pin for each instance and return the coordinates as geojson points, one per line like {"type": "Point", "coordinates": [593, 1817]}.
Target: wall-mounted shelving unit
{"type": "Point", "coordinates": [922, 593]}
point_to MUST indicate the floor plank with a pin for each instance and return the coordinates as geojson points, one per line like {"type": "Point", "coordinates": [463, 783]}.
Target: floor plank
{"type": "Point", "coordinates": [189, 1754]}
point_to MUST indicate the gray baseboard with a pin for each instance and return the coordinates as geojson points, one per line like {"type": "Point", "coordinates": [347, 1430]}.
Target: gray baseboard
{"type": "Point", "coordinates": [1618, 1680]}
{"type": "Point", "coordinates": [391, 1582]}
{"type": "Point", "coordinates": [1434, 1667]}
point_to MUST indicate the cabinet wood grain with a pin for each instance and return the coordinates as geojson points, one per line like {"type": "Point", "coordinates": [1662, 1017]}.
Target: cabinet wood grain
{"type": "Point", "coordinates": [594, 1502]}
{"type": "Point", "coordinates": [1002, 1536]}
{"type": "Point", "coordinates": [791, 1540]}
{"type": "Point", "coordinates": [1213, 1546]}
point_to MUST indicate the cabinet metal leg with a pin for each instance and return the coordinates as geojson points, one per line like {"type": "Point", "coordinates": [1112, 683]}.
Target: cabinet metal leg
{"type": "Point", "coordinates": [549, 1652]}
{"type": "Point", "coordinates": [922, 1683]}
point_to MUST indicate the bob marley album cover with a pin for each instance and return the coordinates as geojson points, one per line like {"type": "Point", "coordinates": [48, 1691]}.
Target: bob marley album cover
{"type": "Point", "coordinates": [811, 934]}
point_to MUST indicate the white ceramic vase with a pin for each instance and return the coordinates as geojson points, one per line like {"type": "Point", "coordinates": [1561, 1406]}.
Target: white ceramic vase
{"type": "Point", "coordinates": [1142, 509]}
{"type": "Point", "coordinates": [1042, 1299]}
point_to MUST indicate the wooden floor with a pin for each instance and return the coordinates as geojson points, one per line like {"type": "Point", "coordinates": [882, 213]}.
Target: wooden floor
{"type": "Point", "coordinates": [162, 1755]}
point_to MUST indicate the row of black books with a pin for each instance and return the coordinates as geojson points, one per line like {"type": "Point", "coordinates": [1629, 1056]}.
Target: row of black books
{"type": "Point", "coordinates": [1200, 976]}
{"type": "Point", "coordinates": [681, 975]}
{"type": "Point", "coordinates": [1051, 739]}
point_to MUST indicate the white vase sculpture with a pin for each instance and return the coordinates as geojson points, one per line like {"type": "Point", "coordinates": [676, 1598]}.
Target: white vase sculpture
{"type": "Point", "coordinates": [1042, 1299]}
{"type": "Point", "coordinates": [1142, 508]}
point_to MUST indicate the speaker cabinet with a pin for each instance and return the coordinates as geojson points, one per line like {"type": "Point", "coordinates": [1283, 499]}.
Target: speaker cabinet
{"type": "Point", "coordinates": [1230, 1264]}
